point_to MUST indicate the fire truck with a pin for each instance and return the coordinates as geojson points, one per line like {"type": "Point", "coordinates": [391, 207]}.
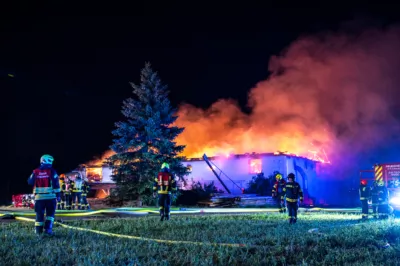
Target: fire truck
{"type": "Point", "coordinates": [23, 201]}
{"type": "Point", "coordinates": [389, 173]}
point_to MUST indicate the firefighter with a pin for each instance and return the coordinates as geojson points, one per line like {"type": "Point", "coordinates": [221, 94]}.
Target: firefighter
{"type": "Point", "coordinates": [67, 193]}
{"type": "Point", "coordinates": [85, 192]}
{"type": "Point", "coordinates": [76, 192]}
{"type": "Point", "coordinates": [46, 188]}
{"type": "Point", "coordinates": [292, 191]}
{"type": "Point", "coordinates": [64, 192]}
{"type": "Point", "coordinates": [374, 199]}
{"type": "Point", "coordinates": [365, 195]}
{"type": "Point", "coordinates": [60, 204]}
{"type": "Point", "coordinates": [277, 192]}
{"type": "Point", "coordinates": [164, 184]}
{"type": "Point", "coordinates": [383, 200]}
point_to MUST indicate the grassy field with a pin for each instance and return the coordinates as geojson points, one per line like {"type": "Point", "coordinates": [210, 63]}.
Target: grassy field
{"type": "Point", "coordinates": [267, 239]}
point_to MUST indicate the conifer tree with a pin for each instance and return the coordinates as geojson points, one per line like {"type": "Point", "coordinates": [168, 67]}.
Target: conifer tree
{"type": "Point", "coordinates": [145, 139]}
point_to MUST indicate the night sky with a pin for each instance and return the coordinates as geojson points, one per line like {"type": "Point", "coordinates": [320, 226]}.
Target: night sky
{"type": "Point", "coordinates": [73, 72]}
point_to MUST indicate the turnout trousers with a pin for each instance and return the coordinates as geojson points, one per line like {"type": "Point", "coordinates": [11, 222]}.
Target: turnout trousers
{"type": "Point", "coordinates": [281, 205]}
{"type": "Point", "coordinates": [85, 204]}
{"type": "Point", "coordinates": [364, 209]}
{"type": "Point", "coordinates": [76, 200]}
{"type": "Point", "coordinates": [47, 206]}
{"type": "Point", "coordinates": [292, 208]}
{"type": "Point", "coordinates": [164, 203]}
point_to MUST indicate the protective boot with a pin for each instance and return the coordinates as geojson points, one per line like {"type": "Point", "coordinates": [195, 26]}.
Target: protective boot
{"type": "Point", "coordinates": [162, 218]}
{"type": "Point", "coordinates": [290, 220]}
{"type": "Point", "coordinates": [39, 230]}
{"type": "Point", "coordinates": [294, 220]}
{"type": "Point", "coordinates": [167, 217]}
{"type": "Point", "coordinates": [48, 227]}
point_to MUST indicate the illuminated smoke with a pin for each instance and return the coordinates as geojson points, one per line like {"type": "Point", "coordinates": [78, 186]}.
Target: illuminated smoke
{"type": "Point", "coordinates": [333, 91]}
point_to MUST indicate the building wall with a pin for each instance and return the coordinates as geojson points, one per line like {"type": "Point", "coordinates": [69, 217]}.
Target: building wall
{"type": "Point", "coordinates": [315, 178]}
{"type": "Point", "coordinates": [106, 175]}
{"type": "Point", "coordinates": [237, 168]}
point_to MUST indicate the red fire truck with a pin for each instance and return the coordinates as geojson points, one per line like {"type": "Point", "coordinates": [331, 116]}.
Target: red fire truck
{"type": "Point", "coordinates": [24, 201]}
{"type": "Point", "coordinates": [388, 173]}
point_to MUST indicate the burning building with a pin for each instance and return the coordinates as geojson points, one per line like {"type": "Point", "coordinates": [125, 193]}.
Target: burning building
{"type": "Point", "coordinates": [99, 177]}
{"type": "Point", "coordinates": [234, 172]}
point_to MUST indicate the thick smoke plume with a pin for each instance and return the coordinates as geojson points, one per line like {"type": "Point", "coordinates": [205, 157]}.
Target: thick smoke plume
{"type": "Point", "coordinates": [335, 92]}
{"type": "Point", "coordinates": [332, 91]}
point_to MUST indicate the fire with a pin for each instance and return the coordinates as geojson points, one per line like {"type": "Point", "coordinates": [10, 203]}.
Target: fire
{"type": "Point", "coordinates": [326, 95]}
{"type": "Point", "coordinates": [223, 130]}
{"type": "Point", "coordinates": [102, 159]}
{"type": "Point", "coordinates": [94, 174]}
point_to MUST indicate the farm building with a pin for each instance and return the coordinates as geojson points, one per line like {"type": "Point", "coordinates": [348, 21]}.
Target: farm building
{"type": "Point", "coordinates": [236, 171]}
{"type": "Point", "coordinates": [99, 178]}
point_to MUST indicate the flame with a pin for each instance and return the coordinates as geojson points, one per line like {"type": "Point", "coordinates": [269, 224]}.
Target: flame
{"type": "Point", "coordinates": [94, 174]}
{"type": "Point", "coordinates": [223, 130]}
{"type": "Point", "coordinates": [238, 145]}
{"type": "Point", "coordinates": [102, 159]}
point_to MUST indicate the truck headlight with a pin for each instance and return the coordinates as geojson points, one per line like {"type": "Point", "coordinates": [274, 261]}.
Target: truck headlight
{"type": "Point", "coordinates": [395, 201]}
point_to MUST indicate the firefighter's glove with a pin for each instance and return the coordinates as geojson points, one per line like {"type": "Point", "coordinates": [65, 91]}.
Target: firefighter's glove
{"type": "Point", "coordinates": [154, 194]}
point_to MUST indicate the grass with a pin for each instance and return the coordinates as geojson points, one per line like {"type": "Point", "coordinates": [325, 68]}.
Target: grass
{"type": "Point", "coordinates": [269, 240]}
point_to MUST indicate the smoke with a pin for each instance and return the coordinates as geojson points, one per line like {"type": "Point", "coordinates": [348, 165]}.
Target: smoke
{"type": "Point", "coordinates": [332, 91]}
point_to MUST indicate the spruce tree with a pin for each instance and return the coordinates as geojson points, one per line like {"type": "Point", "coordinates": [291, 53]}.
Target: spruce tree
{"type": "Point", "coordinates": [145, 139]}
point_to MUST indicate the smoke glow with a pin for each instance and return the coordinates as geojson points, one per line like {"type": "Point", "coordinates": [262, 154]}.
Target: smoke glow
{"type": "Point", "coordinates": [327, 95]}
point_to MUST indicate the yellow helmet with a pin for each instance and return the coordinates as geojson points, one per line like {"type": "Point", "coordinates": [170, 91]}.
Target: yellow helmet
{"type": "Point", "coordinates": [381, 183]}
{"type": "Point", "coordinates": [278, 176]}
{"type": "Point", "coordinates": [165, 165]}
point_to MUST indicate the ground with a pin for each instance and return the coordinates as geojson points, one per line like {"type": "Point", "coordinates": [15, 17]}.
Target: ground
{"type": "Point", "coordinates": [259, 239]}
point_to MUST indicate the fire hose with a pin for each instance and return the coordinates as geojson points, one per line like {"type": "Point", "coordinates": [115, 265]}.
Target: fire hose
{"type": "Point", "coordinates": [153, 211]}
{"type": "Point", "coordinates": [138, 237]}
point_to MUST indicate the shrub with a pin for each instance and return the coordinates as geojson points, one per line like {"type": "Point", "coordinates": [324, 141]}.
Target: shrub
{"type": "Point", "coordinates": [261, 185]}
{"type": "Point", "coordinates": [196, 193]}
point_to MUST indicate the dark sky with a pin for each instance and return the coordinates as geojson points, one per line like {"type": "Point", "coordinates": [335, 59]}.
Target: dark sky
{"type": "Point", "coordinates": [72, 71]}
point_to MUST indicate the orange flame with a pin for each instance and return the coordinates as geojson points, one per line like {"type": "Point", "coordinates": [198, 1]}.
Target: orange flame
{"type": "Point", "coordinates": [223, 130]}
{"type": "Point", "coordinates": [102, 159]}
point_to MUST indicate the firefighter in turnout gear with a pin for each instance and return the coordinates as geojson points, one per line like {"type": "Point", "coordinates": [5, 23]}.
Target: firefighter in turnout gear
{"type": "Point", "coordinates": [365, 196]}
{"type": "Point", "coordinates": [46, 187]}
{"type": "Point", "coordinates": [374, 199]}
{"type": "Point", "coordinates": [61, 203]}
{"type": "Point", "coordinates": [76, 192]}
{"type": "Point", "coordinates": [383, 200]}
{"type": "Point", "coordinates": [277, 192]}
{"type": "Point", "coordinates": [85, 192]}
{"type": "Point", "coordinates": [164, 184]}
{"type": "Point", "coordinates": [67, 193]}
{"type": "Point", "coordinates": [292, 191]}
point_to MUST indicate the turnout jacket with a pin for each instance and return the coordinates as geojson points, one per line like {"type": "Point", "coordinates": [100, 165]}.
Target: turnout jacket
{"type": "Point", "coordinates": [365, 192]}
{"type": "Point", "coordinates": [45, 183]}
{"type": "Point", "coordinates": [292, 191]}
{"type": "Point", "coordinates": [164, 183]}
{"type": "Point", "coordinates": [277, 189]}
